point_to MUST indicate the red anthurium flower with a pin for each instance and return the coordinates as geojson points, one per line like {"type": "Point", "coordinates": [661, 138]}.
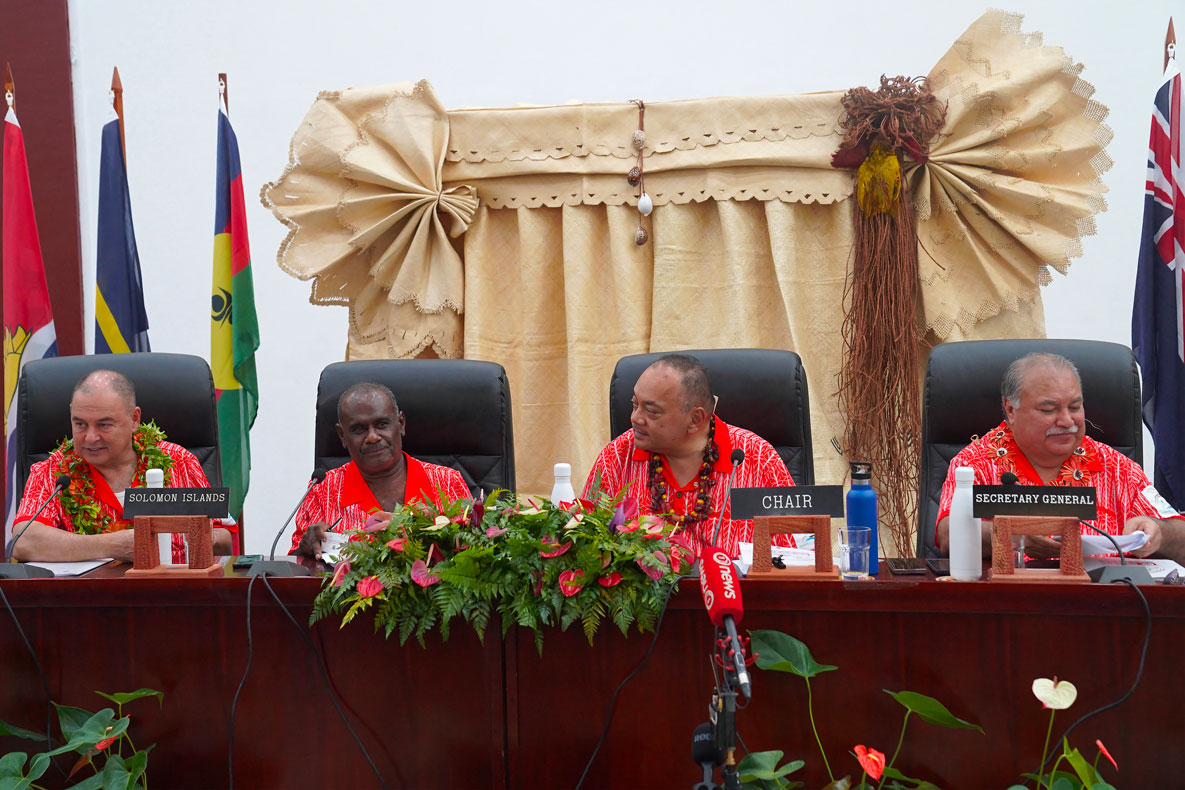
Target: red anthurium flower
{"type": "Point", "coordinates": [370, 587]}
{"type": "Point", "coordinates": [421, 575]}
{"type": "Point", "coordinates": [103, 744]}
{"type": "Point", "coordinates": [396, 544]}
{"type": "Point", "coordinates": [553, 549]}
{"type": "Point", "coordinates": [654, 573]}
{"type": "Point", "coordinates": [628, 528]}
{"type": "Point", "coordinates": [612, 580]}
{"type": "Point", "coordinates": [1103, 751]}
{"type": "Point", "coordinates": [340, 572]}
{"type": "Point", "coordinates": [571, 582]}
{"type": "Point", "coordinates": [872, 761]}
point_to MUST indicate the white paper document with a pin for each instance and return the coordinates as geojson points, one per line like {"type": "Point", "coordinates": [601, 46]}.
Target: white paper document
{"type": "Point", "coordinates": [1093, 543]}
{"type": "Point", "coordinates": [71, 568]}
{"type": "Point", "coordinates": [803, 557]}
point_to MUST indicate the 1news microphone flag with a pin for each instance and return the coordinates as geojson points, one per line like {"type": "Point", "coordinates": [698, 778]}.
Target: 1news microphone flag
{"type": "Point", "coordinates": [121, 324]}
{"type": "Point", "coordinates": [28, 319]}
{"type": "Point", "coordinates": [234, 330]}
{"type": "Point", "coordinates": [1158, 320]}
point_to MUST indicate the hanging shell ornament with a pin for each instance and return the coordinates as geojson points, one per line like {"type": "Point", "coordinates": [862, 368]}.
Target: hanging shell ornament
{"type": "Point", "coordinates": [633, 176]}
{"type": "Point", "coordinates": [639, 140]}
{"type": "Point", "coordinates": [641, 236]}
{"type": "Point", "coordinates": [645, 205]}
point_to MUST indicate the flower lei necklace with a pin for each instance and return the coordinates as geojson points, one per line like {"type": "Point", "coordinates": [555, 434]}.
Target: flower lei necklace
{"type": "Point", "coordinates": [660, 499]}
{"type": "Point", "coordinates": [79, 502]}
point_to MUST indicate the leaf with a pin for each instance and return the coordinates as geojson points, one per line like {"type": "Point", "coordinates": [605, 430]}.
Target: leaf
{"type": "Point", "coordinates": [840, 784]}
{"type": "Point", "coordinates": [764, 766]}
{"type": "Point", "coordinates": [931, 710]}
{"type": "Point", "coordinates": [123, 698]}
{"type": "Point", "coordinates": [12, 767]}
{"type": "Point", "coordinates": [20, 732]}
{"type": "Point", "coordinates": [1085, 771]}
{"type": "Point", "coordinates": [783, 653]}
{"type": "Point", "coordinates": [70, 719]}
{"type": "Point", "coordinates": [1062, 783]}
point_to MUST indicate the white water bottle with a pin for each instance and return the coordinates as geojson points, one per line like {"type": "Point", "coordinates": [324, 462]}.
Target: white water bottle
{"type": "Point", "coordinates": [966, 541]}
{"type": "Point", "coordinates": [562, 491]}
{"type": "Point", "coordinates": [155, 478]}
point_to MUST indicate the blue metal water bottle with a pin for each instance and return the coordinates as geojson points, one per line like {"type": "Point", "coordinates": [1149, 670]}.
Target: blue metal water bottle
{"type": "Point", "coordinates": [862, 508]}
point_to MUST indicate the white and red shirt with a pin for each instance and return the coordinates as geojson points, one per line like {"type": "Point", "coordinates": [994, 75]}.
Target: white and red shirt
{"type": "Point", "coordinates": [1122, 488]}
{"type": "Point", "coordinates": [43, 475]}
{"type": "Point", "coordinates": [621, 467]}
{"type": "Point", "coordinates": [344, 501]}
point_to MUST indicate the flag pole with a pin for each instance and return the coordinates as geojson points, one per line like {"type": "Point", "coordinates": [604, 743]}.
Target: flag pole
{"type": "Point", "coordinates": [1170, 44]}
{"type": "Point", "coordinates": [117, 104]}
{"type": "Point", "coordinates": [222, 92]}
{"type": "Point", "coordinates": [9, 85]}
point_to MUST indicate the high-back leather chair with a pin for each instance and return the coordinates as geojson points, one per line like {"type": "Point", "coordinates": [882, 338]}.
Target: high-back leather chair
{"type": "Point", "coordinates": [174, 390]}
{"type": "Point", "coordinates": [762, 390]}
{"type": "Point", "coordinates": [962, 400]}
{"type": "Point", "coordinates": [457, 410]}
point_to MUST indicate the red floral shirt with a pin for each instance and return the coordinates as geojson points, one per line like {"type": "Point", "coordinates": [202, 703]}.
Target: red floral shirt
{"type": "Point", "coordinates": [1122, 487]}
{"type": "Point", "coordinates": [623, 467]}
{"type": "Point", "coordinates": [43, 475]}
{"type": "Point", "coordinates": [344, 495]}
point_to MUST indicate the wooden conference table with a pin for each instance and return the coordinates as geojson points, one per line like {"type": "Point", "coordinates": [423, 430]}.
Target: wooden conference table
{"type": "Point", "coordinates": [463, 714]}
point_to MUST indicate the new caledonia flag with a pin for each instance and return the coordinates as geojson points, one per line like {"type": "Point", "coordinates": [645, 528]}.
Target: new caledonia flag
{"type": "Point", "coordinates": [28, 321]}
{"type": "Point", "coordinates": [1158, 320]}
{"type": "Point", "coordinates": [234, 330]}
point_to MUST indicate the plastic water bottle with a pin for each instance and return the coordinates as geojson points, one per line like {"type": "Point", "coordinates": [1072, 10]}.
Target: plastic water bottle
{"type": "Point", "coordinates": [862, 510]}
{"type": "Point", "coordinates": [155, 478]}
{"type": "Point", "coordinates": [562, 491]}
{"type": "Point", "coordinates": [966, 541]}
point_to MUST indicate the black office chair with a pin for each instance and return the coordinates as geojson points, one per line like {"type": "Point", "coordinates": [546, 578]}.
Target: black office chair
{"type": "Point", "coordinates": [458, 415]}
{"type": "Point", "coordinates": [762, 390]}
{"type": "Point", "coordinates": [174, 390]}
{"type": "Point", "coordinates": [962, 399]}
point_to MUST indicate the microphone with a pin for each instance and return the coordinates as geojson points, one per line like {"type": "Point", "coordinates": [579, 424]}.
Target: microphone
{"type": "Point", "coordinates": [14, 570]}
{"type": "Point", "coordinates": [274, 567]}
{"type": "Point", "coordinates": [738, 457]}
{"type": "Point", "coordinates": [722, 598]}
{"type": "Point", "coordinates": [1009, 479]}
{"type": "Point", "coordinates": [706, 754]}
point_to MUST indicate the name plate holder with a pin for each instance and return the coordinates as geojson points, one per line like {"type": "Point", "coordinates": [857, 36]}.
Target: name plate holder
{"type": "Point", "coordinates": [783, 511]}
{"type": "Point", "coordinates": [174, 510]}
{"type": "Point", "coordinates": [1036, 510]}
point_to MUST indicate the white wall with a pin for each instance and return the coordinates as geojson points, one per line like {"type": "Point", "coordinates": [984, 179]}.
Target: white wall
{"type": "Point", "coordinates": [278, 55]}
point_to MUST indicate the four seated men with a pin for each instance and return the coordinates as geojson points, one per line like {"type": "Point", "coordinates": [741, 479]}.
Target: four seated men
{"type": "Point", "coordinates": [110, 451]}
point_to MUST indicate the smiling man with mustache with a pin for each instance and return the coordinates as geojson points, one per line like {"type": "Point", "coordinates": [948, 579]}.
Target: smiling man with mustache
{"type": "Point", "coordinates": [1042, 441]}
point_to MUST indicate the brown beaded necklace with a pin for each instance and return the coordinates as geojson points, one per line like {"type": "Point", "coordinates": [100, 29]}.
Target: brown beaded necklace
{"type": "Point", "coordinates": [660, 498]}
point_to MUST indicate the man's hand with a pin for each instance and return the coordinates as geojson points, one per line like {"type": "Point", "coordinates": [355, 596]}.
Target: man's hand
{"type": "Point", "coordinates": [1042, 548]}
{"type": "Point", "coordinates": [121, 545]}
{"type": "Point", "coordinates": [1151, 528]}
{"type": "Point", "coordinates": [310, 542]}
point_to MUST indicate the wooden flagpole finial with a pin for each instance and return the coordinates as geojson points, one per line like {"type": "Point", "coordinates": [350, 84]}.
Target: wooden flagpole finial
{"type": "Point", "coordinates": [1170, 44]}
{"type": "Point", "coordinates": [9, 85]}
{"type": "Point", "coordinates": [117, 105]}
{"type": "Point", "coordinates": [223, 96]}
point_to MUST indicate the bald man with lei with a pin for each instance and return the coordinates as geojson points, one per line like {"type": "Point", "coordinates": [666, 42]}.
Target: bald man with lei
{"type": "Point", "coordinates": [676, 458]}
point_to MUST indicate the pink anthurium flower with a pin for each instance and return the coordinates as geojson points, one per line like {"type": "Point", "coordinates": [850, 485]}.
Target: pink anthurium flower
{"type": "Point", "coordinates": [422, 576]}
{"type": "Point", "coordinates": [396, 544]}
{"type": "Point", "coordinates": [340, 572]}
{"type": "Point", "coordinates": [1055, 694]}
{"type": "Point", "coordinates": [553, 549]}
{"type": "Point", "coordinates": [872, 761]}
{"type": "Point", "coordinates": [571, 582]}
{"type": "Point", "coordinates": [654, 573]}
{"type": "Point", "coordinates": [370, 587]}
{"type": "Point", "coordinates": [377, 522]}
{"type": "Point", "coordinates": [612, 580]}
{"type": "Point", "coordinates": [493, 532]}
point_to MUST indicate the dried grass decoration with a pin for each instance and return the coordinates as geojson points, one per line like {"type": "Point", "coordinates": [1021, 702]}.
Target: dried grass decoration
{"type": "Point", "coordinates": [880, 375]}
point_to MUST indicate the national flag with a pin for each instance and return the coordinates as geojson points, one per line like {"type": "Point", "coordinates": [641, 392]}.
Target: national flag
{"type": "Point", "coordinates": [234, 330]}
{"type": "Point", "coordinates": [121, 325]}
{"type": "Point", "coordinates": [1158, 327]}
{"type": "Point", "coordinates": [28, 320]}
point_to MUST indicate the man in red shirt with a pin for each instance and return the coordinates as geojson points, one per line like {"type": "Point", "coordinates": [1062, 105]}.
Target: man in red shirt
{"type": "Point", "coordinates": [1042, 441]}
{"type": "Point", "coordinates": [676, 459]}
{"type": "Point", "coordinates": [379, 477]}
{"type": "Point", "coordinates": [110, 451]}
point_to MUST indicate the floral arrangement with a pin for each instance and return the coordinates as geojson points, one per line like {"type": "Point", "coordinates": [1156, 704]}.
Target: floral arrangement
{"type": "Point", "coordinates": [94, 737]}
{"type": "Point", "coordinates": [1058, 695]}
{"type": "Point", "coordinates": [79, 502]}
{"type": "Point", "coordinates": [528, 560]}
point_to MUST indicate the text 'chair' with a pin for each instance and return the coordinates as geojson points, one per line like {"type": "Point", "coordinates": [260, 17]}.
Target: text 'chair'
{"type": "Point", "coordinates": [761, 390]}
{"type": "Point", "coordinates": [961, 400]}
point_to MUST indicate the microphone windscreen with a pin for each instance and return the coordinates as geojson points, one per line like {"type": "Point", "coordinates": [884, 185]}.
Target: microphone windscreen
{"type": "Point", "coordinates": [738, 457]}
{"type": "Point", "coordinates": [319, 474]}
{"type": "Point", "coordinates": [703, 746]}
{"type": "Point", "coordinates": [63, 481]}
{"type": "Point", "coordinates": [1009, 479]}
{"type": "Point", "coordinates": [720, 586]}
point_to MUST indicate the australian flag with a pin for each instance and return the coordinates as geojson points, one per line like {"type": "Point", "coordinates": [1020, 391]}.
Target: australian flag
{"type": "Point", "coordinates": [1158, 328]}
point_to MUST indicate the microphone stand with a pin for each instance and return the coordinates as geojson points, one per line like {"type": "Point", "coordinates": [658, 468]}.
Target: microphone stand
{"type": "Point", "coordinates": [22, 570]}
{"type": "Point", "coordinates": [273, 567]}
{"type": "Point", "coordinates": [722, 713]}
{"type": "Point", "coordinates": [1109, 574]}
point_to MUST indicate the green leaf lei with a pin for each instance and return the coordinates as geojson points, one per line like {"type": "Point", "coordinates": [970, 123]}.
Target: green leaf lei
{"type": "Point", "coordinates": [79, 502]}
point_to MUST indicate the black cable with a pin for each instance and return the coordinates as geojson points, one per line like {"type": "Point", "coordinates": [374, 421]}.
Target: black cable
{"type": "Point", "coordinates": [613, 699]}
{"type": "Point", "coordinates": [304, 632]}
{"type": "Point", "coordinates": [1135, 683]}
{"type": "Point", "coordinates": [230, 747]}
{"type": "Point", "coordinates": [41, 675]}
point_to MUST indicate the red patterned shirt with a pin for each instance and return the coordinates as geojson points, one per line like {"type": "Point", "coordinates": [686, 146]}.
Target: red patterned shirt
{"type": "Point", "coordinates": [623, 467]}
{"type": "Point", "coordinates": [186, 473]}
{"type": "Point", "coordinates": [1122, 487]}
{"type": "Point", "coordinates": [344, 495]}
